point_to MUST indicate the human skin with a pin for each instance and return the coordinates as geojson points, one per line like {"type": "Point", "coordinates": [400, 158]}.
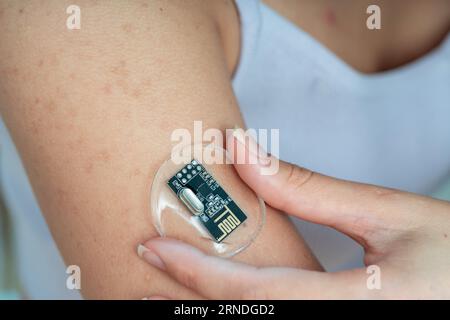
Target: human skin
{"type": "Point", "coordinates": [91, 112]}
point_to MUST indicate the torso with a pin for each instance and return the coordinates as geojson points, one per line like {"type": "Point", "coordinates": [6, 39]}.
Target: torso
{"type": "Point", "coordinates": [408, 32]}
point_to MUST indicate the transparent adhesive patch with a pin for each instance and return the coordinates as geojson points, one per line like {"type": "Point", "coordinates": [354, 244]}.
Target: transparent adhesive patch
{"type": "Point", "coordinates": [202, 201]}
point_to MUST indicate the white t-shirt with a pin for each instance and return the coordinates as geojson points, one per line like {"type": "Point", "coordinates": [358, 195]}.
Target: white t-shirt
{"type": "Point", "coordinates": [390, 129]}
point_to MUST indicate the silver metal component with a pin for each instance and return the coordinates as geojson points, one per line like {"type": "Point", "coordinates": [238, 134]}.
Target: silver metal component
{"type": "Point", "coordinates": [191, 201]}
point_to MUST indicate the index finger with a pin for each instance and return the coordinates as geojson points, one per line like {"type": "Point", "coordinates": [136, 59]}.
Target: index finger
{"type": "Point", "coordinates": [353, 208]}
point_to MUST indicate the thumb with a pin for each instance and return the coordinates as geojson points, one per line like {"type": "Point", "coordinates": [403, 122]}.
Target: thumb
{"type": "Point", "coordinates": [353, 208]}
{"type": "Point", "coordinates": [221, 279]}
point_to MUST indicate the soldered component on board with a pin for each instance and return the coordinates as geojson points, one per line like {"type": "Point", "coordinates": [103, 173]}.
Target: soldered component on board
{"type": "Point", "coordinates": [207, 200]}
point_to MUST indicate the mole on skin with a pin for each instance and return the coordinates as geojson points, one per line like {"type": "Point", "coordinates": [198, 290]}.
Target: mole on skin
{"type": "Point", "coordinates": [329, 17]}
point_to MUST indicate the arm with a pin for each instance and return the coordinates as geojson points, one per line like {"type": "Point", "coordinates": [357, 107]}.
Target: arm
{"type": "Point", "coordinates": [91, 112]}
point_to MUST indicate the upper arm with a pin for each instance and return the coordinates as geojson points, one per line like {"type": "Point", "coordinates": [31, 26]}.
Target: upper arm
{"type": "Point", "coordinates": [91, 112]}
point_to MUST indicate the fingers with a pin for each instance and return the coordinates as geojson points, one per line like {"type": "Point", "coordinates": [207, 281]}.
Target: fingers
{"type": "Point", "coordinates": [217, 278]}
{"type": "Point", "coordinates": [352, 208]}
{"type": "Point", "coordinates": [211, 277]}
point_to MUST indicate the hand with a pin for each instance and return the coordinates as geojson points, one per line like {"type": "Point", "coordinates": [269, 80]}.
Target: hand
{"type": "Point", "coordinates": [406, 235]}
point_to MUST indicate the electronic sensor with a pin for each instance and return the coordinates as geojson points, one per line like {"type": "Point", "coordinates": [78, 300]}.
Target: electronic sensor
{"type": "Point", "coordinates": [207, 200]}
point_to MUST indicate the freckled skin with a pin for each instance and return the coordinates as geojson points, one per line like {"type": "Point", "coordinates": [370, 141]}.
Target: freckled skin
{"type": "Point", "coordinates": [107, 89]}
{"type": "Point", "coordinates": [137, 172]}
{"type": "Point", "coordinates": [35, 128]}
{"type": "Point", "coordinates": [88, 168]}
{"type": "Point", "coordinates": [127, 28]}
{"type": "Point", "coordinates": [104, 156]}
{"type": "Point", "coordinates": [50, 107]}
{"type": "Point", "coordinates": [91, 155]}
{"type": "Point", "coordinates": [120, 69]}
{"type": "Point", "coordinates": [136, 93]}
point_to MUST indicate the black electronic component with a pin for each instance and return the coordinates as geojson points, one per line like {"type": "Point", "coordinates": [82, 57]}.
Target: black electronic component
{"type": "Point", "coordinates": [207, 200]}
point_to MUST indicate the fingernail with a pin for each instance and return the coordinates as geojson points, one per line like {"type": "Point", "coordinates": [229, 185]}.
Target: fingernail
{"type": "Point", "coordinates": [253, 147]}
{"type": "Point", "coordinates": [150, 256]}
